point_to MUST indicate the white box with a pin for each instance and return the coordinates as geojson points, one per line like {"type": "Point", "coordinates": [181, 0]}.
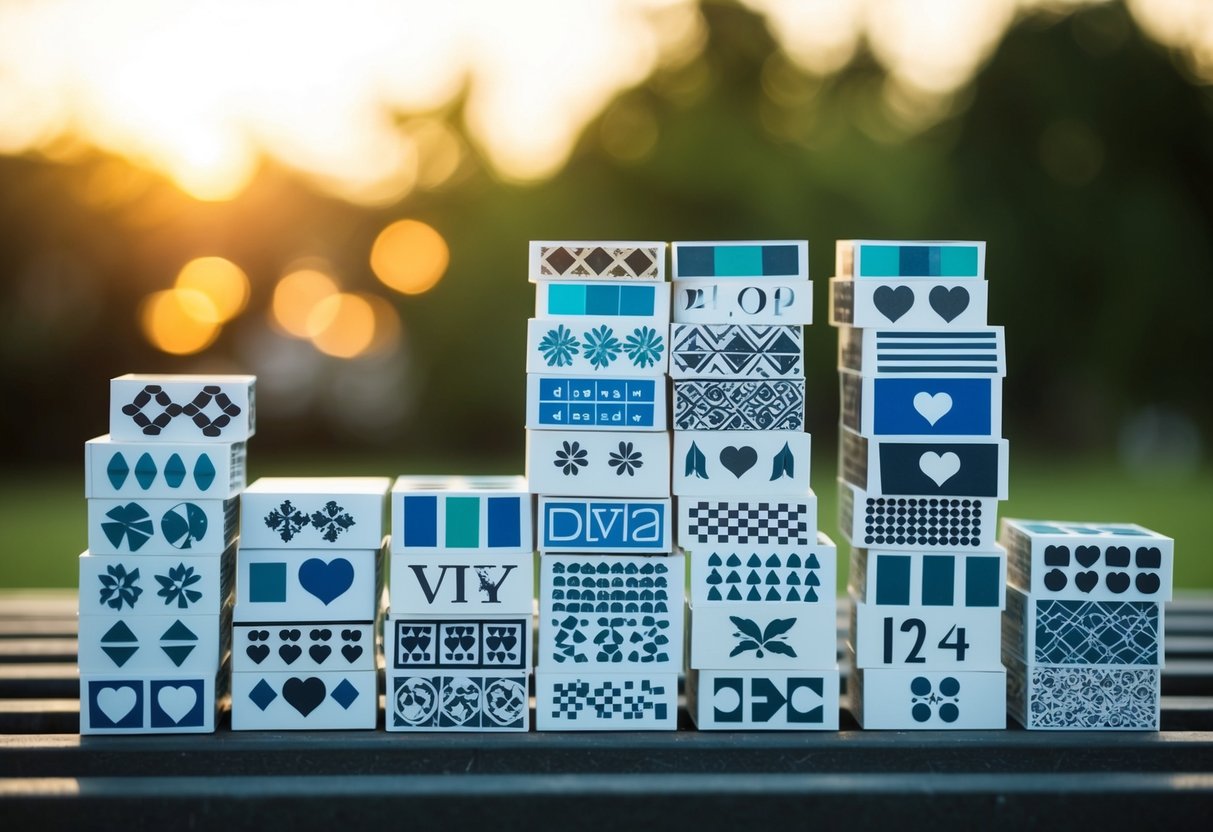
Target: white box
{"type": "Point", "coordinates": [571, 701]}
{"type": "Point", "coordinates": [611, 613]}
{"type": "Point", "coordinates": [977, 352]}
{"type": "Point", "coordinates": [153, 644]}
{"type": "Point", "coordinates": [472, 515]}
{"type": "Point", "coordinates": [722, 521]}
{"type": "Point", "coordinates": [915, 524]}
{"type": "Point", "coordinates": [457, 701]}
{"type": "Point", "coordinates": [921, 303]}
{"type": "Point", "coordinates": [910, 258]}
{"type": "Point", "coordinates": [563, 402]}
{"type": "Point", "coordinates": [958, 467]}
{"type": "Point", "coordinates": [178, 470]}
{"type": "Point", "coordinates": [498, 643]}
{"type": "Point", "coordinates": [1083, 698]}
{"type": "Point", "coordinates": [1082, 633]}
{"type": "Point", "coordinates": [904, 699]}
{"type": "Point", "coordinates": [891, 405]}
{"type": "Point", "coordinates": [182, 408]}
{"type": "Point", "coordinates": [597, 346]}
{"type": "Point", "coordinates": [762, 637]}
{"type": "Point", "coordinates": [605, 526]}
{"type": "Point", "coordinates": [928, 638]}
{"type": "Point", "coordinates": [459, 584]}
{"type": "Point", "coordinates": [116, 703]}
{"type": "Point", "coordinates": [595, 259]}
{"type": "Point", "coordinates": [137, 585]}
{"type": "Point", "coordinates": [306, 702]}
{"type": "Point", "coordinates": [303, 646]}
{"type": "Point", "coordinates": [761, 700]}
{"type": "Point", "coordinates": [144, 527]}
{"type": "Point", "coordinates": [730, 259]}
{"type": "Point", "coordinates": [603, 299]}
{"type": "Point", "coordinates": [804, 575]}
{"type": "Point", "coordinates": [598, 463]}
{"type": "Point", "coordinates": [739, 404]}
{"type": "Point", "coordinates": [754, 463]}
{"type": "Point", "coordinates": [314, 513]}
{"type": "Point", "coordinates": [893, 579]}
{"type": "Point", "coordinates": [743, 301]}
{"type": "Point", "coordinates": [736, 351]}
{"type": "Point", "coordinates": [1094, 561]}
{"type": "Point", "coordinates": [308, 585]}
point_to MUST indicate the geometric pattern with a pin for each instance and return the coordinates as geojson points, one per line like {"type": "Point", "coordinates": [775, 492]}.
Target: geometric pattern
{"type": "Point", "coordinates": [1093, 697]}
{"type": "Point", "coordinates": [782, 524]}
{"type": "Point", "coordinates": [1086, 632]}
{"type": "Point", "coordinates": [610, 698]}
{"type": "Point", "coordinates": [777, 578]}
{"type": "Point", "coordinates": [925, 521]}
{"type": "Point", "coordinates": [736, 351]}
{"type": "Point", "coordinates": [739, 405]}
{"type": "Point", "coordinates": [195, 410]}
{"type": "Point", "coordinates": [621, 263]}
{"type": "Point", "coordinates": [594, 586]}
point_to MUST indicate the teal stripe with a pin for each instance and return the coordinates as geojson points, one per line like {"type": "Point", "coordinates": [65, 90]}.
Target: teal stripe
{"type": "Point", "coordinates": [566, 299]}
{"type": "Point", "coordinates": [878, 261]}
{"type": "Point", "coordinates": [958, 261]}
{"type": "Point", "coordinates": [738, 261]}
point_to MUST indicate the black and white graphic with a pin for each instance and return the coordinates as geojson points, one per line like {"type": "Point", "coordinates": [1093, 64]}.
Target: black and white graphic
{"type": "Point", "coordinates": [161, 527]}
{"type": "Point", "coordinates": [303, 646]}
{"type": "Point", "coordinates": [757, 300]}
{"type": "Point", "coordinates": [605, 702]}
{"type": "Point", "coordinates": [163, 470]}
{"type": "Point", "coordinates": [463, 585]}
{"type": "Point", "coordinates": [575, 260]}
{"type": "Point", "coordinates": [182, 408]}
{"type": "Point", "coordinates": [575, 463]}
{"type": "Point", "coordinates": [314, 513]}
{"type": "Point", "coordinates": [964, 638]}
{"type": "Point", "coordinates": [117, 585]}
{"type": "Point", "coordinates": [150, 644]}
{"type": "Point", "coordinates": [739, 405]}
{"type": "Point", "coordinates": [733, 700]}
{"type": "Point", "coordinates": [974, 468]}
{"type": "Point", "coordinates": [1082, 633]}
{"type": "Point", "coordinates": [918, 303]}
{"type": "Point", "coordinates": [754, 463]}
{"type": "Point", "coordinates": [1083, 698]}
{"type": "Point", "coordinates": [304, 700]}
{"type": "Point", "coordinates": [801, 576]}
{"type": "Point", "coordinates": [928, 699]}
{"type": "Point", "coordinates": [760, 523]}
{"type": "Point", "coordinates": [978, 351]}
{"type": "Point", "coordinates": [767, 636]}
{"type": "Point", "coordinates": [915, 523]}
{"type": "Point", "coordinates": [147, 704]}
{"type": "Point", "coordinates": [455, 702]}
{"type": "Point", "coordinates": [711, 351]}
{"type": "Point", "coordinates": [458, 643]}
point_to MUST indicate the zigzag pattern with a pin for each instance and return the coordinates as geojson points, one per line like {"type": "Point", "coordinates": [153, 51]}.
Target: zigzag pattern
{"type": "Point", "coordinates": [737, 351]}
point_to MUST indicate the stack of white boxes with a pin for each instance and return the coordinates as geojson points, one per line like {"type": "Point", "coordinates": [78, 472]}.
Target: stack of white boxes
{"type": "Point", "coordinates": [611, 587]}
{"type": "Point", "coordinates": [762, 632]}
{"type": "Point", "coordinates": [1083, 628]}
{"type": "Point", "coordinates": [457, 641]}
{"type": "Point", "coordinates": [156, 581]}
{"type": "Point", "coordinates": [922, 465]}
{"type": "Point", "coordinates": [308, 589]}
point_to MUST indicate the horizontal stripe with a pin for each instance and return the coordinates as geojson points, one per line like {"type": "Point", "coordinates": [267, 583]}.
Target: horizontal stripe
{"type": "Point", "coordinates": [934, 335]}
{"type": "Point", "coordinates": [952, 346]}
{"type": "Point", "coordinates": [936, 369]}
{"type": "Point", "coordinates": [882, 357]}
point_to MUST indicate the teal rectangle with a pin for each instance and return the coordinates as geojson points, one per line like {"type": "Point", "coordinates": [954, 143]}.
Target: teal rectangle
{"type": "Point", "coordinates": [958, 261]}
{"type": "Point", "coordinates": [738, 261]}
{"type": "Point", "coordinates": [892, 580]}
{"type": "Point", "coordinates": [566, 299]}
{"type": "Point", "coordinates": [878, 261]}
{"type": "Point", "coordinates": [982, 581]}
{"type": "Point", "coordinates": [602, 300]}
{"type": "Point", "coordinates": [938, 580]}
{"type": "Point", "coordinates": [637, 300]}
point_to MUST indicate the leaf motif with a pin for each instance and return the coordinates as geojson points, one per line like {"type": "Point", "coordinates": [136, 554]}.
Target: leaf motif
{"type": "Point", "coordinates": [777, 627]}
{"type": "Point", "coordinates": [743, 647]}
{"type": "Point", "coordinates": [783, 464]}
{"type": "Point", "coordinates": [747, 627]}
{"type": "Point", "coordinates": [697, 463]}
{"type": "Point", "coordinates": [780, 647]}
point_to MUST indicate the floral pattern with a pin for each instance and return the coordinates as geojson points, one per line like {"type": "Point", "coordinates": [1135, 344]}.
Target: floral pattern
{"type": "Point", "coordinates": [571, 458]}
{"type": "Point", "coordinates": [644, 346]}
{"type": "Point", "coordinates": [118, 587]}
{"type": "Point", "coordinates": [559, 346]}
{"type": "Point", "coordinates": [601, 347]}
{"type": "Point", "coordinates": [626, 460]}
{"type": "Point", "coordinates": [175, 586]}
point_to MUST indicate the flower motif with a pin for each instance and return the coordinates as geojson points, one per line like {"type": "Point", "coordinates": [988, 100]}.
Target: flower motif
{"type": "Point", "coordinates": [601, 346]}
{"type": "Point", "coordinates": [644, 346]}
{"type": "Point", "coordinates": [559, 346]}
{"type": "Point", "coordinates": [626, 461]}
{"type": "Point", "coordinates": [118, 587]}
{"type": "Point", "coordinates": [570, 458]}
{"type": "Point", "coordinates": [175, 586]}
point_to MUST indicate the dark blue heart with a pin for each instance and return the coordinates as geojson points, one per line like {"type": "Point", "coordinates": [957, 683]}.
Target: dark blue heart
{"type": "Point", "coordinates": [327, 581]}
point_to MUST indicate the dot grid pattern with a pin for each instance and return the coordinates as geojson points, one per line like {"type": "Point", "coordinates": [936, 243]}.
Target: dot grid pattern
{"type": "Point", "coordinates": [926, 521]}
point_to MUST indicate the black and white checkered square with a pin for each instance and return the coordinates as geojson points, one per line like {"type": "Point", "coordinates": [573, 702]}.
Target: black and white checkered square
{"type": "Point", "coordinates": [759, 524]}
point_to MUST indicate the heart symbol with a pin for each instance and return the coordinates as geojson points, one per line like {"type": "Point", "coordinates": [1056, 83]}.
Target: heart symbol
{"type": "Point", "coordinates": [939, 467]}
{"type": "Point", "coordinates": [738, 460]}
{"type": "Point", "coordinates": [451, 642]}
{"type": "Point", "coordinates": [304, 695]}
{"type": "Point", "coordinates": [290, 652]}
{"type": "Point", "coordinates": [1086, 581]}
{"type": "Point", "coordinates": [1117, 556]}
{"type": "Point", "coordinates": [319, 652]}
{"type": "Point", "coordinates": [467, 643]}
{"type": "Point", "coordinates": [932, 408]}
{"type": "Point", "coordinates": [410, 644]}
{"type": "Point", "coordinates": [1055, 580]}
{"type": "Point", "coordinates": [1057, 556]}
{"type": "Point", "coordinates": [177, 701]}
{"type": "Point", "coordinates": [117, 703]}
{"type": "Point", "coordinates": [949, 303]}
{"type": "Point", "coordinates": [893, 303]}
{"type": "Point", "coordinates": [326, 581]}
{"type": "Point", "coordinates": [493, 643]}
{"type": "Point", "coordinates": [1148, 583]}
{"type": "Point", "coordinates": [1117, 582]}
{"type": "Point", "coordinates": [257, 652]}
{"type": "Point", "coordinates": [509, 642]}
{"type": "Point", "coordinates": [1087, 556]}
{"type": "Point", "coordinates": [351, 652]}
{"type": "Point", "coordinates": [1149, 557]}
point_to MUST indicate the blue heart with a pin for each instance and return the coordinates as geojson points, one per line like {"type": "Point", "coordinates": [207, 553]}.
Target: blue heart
{"type": "Point", "coordinates": [327, 581]}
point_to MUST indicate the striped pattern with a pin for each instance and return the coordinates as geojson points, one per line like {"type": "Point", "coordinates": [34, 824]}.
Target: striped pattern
{"type": "Point", "coordinates": [779, 258]}
{"type": "Point", "coordinates": [974, 352]}
{"type": "Point", "coordinates": [896, 258]}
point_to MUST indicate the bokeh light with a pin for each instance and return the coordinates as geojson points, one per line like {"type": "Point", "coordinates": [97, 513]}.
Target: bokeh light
{"type": "Point", "coordinates": [223, 282]}
{"type": "Point", "coordinates": [342, 325]}
{"type": "Point", "coordinates": [179, 321]}
{"type": "Point", "coordinates": [410, 256]}
{"type": "Point", "coordinates": [296, 295]}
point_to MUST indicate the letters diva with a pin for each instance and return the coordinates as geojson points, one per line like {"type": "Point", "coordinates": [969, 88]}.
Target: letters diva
{"type": "Point", "coordinates": [637, 526]}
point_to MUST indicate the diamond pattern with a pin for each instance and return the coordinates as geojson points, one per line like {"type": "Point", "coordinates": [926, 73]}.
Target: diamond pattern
{"type": "Point", "coordinates": [262, 695]}
{"type": "Point", "coordinates": [345, 694]}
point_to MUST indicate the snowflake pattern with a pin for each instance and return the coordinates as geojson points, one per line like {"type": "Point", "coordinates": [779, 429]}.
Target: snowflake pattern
{"type": "Point", "coordinates": [626, 460]}
{"type": "Point", "coordinates": [559, 346]}
{"type": "Point", "coordinates": [287, 520]}
{"type": "Point", "coordinates": [175, 586]}
{"type": "Point", "coordinates": [331, 521]}
{"type": "Point", "coordinates": [601, 347]}
{"type": "Point", "coordinates": [118, 587]}
{"type": "Point", "coordinates": [644, 346]}
{"type": "Point", "coordinates": [570, 458]}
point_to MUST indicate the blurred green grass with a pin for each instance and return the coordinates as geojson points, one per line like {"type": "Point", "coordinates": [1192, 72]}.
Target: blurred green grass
{"type": "Point", "coordinates": [44, 512]}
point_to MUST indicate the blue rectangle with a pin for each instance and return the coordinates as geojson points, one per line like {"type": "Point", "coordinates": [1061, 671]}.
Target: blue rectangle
{"type": "Point", "coordinates": [566, 299]}
{"type": "Point", "coordinates": [504, 521]}
{"type": "Point", "coordinates": [583, 413]}
{"type": "Point", "coordinates": [612, 414]}
{"type": "Point", "coordinates": [637, 300]}
{"type": "Point", "coordinates": [420, 521]}
{"type": "Point", "coordinates": [696, 261]}
{"type": "Point", "coordinates": [641, 391]}
{"type": "Point", "coordinates": [553, 389]}
{"type": "Point", "coordinates": [639, 416]}
{"type": "Point", "coordinates": [892, 580]}
{"type": "Point", "coordinates": [601, 299]}
{"type": "Point", "coordinates": [914, 260]}
{"type": "Point", "coordinates": [604, 525]}
{"type": "Point", "coordinates": [982, 581]}
{"type": "Point", "coordinates": [938, 580]}
{"type": "Point", "coordinates": [555, 413]}
{"type": "Point", "coordinates": [968, 413]}
{"type": "Point", "coordinates": [611, 391]}
{"type": "Point", "coordinates": [780, 261]}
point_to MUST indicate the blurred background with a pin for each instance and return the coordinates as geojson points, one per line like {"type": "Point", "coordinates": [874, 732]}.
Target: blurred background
{"type": "Point", "coordinates": [338, 198]}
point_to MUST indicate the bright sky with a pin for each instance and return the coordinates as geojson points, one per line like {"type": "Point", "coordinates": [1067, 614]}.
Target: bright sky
{"type": "Point", "coordinates": [351, 95]}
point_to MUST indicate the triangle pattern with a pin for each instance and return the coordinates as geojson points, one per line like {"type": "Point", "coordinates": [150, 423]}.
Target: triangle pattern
{"type": "Point", "coordinates": [119, 655]}
{"type": "Point", "coordinates": [119, 633]}
{"type": "Point", "coordinates": [179, 632]}
{"type": "Point", "coordinates": [177, 653]}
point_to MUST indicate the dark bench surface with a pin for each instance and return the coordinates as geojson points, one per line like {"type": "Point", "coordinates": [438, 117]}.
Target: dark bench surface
{"type": "Point", "coordinates": [580, 781]}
